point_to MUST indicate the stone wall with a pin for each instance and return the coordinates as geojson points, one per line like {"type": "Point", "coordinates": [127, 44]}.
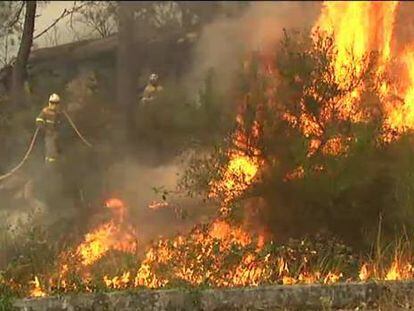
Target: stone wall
{"type": "Point", "coordinates": [296, 297]}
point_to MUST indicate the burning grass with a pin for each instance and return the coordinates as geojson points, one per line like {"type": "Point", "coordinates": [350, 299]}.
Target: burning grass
{"type": "Point", "coordinates": [213, 255]}
{"type": "Point", "coordinates": [217, 254]}
{"type": "Point", "coordinates": [322, 136]}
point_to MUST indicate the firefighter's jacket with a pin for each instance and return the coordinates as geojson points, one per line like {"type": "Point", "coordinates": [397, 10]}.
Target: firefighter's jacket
{"type": "Point", "coordinates": [50, 120]}
{"type": "Point", "coordinates": [150, 92]}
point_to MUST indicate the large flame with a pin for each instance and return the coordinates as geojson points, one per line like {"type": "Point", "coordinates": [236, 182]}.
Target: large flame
{"type": "Point", "coordinates": [401, 116]}
{"type": "Point", "coordinates": [358, 28]}
{"type": "Point", "coordinates": [113, 235]}
{"type": "Point", "coordinates": [241, 170]}
{"type": "Point", "coordinates": [362, 27]}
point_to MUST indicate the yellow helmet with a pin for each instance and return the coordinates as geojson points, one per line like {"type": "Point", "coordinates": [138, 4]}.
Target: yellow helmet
{"type": "Point", "coordinates": [54, 98]}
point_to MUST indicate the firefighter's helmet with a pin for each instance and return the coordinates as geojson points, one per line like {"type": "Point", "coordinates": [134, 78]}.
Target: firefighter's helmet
{"type": "Point", "coordinates": [153, 77]}
{"type": "Point", "coordinates": [54, 98]}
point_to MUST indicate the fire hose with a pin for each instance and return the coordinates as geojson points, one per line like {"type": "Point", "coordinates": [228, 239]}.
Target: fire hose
{"type": "Point", "coordinates": [76, 130]}
{"type": "Point", "coordinates": [32, 142]}
{"type": "Point", "coordinates": [29, 150]}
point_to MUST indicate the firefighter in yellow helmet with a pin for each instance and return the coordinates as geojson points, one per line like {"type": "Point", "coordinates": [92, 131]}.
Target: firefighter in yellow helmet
{"type": "Point", "coordinates": [49, 120]}
{"type": "Point", "coordinates": [151, 90]}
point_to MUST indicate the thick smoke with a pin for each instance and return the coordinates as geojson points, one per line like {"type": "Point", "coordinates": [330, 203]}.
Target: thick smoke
{"type": "Point", "coordinates": [222, 45]}
{"type": "Point", "coordinates": [141, 186]}
{"type": "Point", "coordinates": [225, 42]}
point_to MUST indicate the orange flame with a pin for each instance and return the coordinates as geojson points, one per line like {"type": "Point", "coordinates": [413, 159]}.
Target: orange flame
{"type": "Point", "coordinates": [37, 290]}
{"type": "Point", "coordinates": [401, 116]}
{"type": "Point", "coordinates": [358, 27]}
{"type": "Point", "coordinates": [110, 236]}
{"type": "Point", "coordinates": [117, 282]}
{"type": "Point", "coordinates": [364, 273]}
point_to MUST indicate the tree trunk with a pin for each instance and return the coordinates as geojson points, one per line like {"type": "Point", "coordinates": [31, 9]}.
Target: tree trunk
{"type": "Point", "coordinates": [126, 96]}
{"type": "Point", "coordinates": [19, 68]}
{"type": "Point", "coordinates": [125, 57]}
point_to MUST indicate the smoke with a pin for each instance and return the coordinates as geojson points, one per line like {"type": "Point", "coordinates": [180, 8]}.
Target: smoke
{"type": "Point", "coordinates": [225, 42]}
{"type": "Point", "coordinates": [142, 185]}
{"type": "Point", "coordinates": [222, 45]}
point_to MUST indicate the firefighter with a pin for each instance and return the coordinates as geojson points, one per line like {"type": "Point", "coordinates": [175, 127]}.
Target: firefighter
{"type": "Point", "coordinates": [49, 120]}
{"type": "Point", "coordinates": [152, 88]}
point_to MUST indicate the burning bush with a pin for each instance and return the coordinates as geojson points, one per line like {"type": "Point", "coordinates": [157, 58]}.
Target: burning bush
{"type": "Point", "coordinates": [315, 118]}
{"type": "Point", "coordinates": [320, 152]}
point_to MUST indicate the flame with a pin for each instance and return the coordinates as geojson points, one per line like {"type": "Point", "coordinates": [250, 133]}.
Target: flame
{"type": "Point", "coordinates": [195, 268]}
{"type": "Point", "coordinates": [399, 270]}
{"type": "Point", "coordinates": [364, 273]}
{"type": "Point", "coordinates": [158, 205]}
{"type": "Point", "coordinates": [394, 272]}
{"type": "Point", "coordinates": [237, 177]}
{"type": "Point", "coordinates": [332, 278]}
{"type": "Point", "coordinates": [118, 282]}
{"type": "Point", "coordinates": [361, 27]}
{"type": "Point", "coordinates": [222, 254]}
{"type": "Point", "coordinates": [221, 230]}
{"type": "Point", "coordinates": [112, 235]}
{"type": "Point", "coordinates": [401, 116]}
{"type": "Point", "coordinates": [296, 173]}
{"type": "Point", "coordinates": [358, 27]}
{"type": "Point", "coordinates": [107, 237]}
{"type": "Point", "coordinates": [240, 168]}
{"type": "Point", "coordinates": [37, 290]}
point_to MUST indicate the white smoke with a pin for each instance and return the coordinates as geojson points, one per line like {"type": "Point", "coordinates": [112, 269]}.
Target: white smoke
{"type": "Point", "coordinates": [226, 41]}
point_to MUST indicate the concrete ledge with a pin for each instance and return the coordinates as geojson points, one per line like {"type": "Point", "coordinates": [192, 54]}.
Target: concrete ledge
{"type": "Point", "coordinates": [304, 297]}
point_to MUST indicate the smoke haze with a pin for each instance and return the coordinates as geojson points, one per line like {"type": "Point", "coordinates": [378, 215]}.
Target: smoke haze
{"type": "Point", "coordinates": [225, 42]}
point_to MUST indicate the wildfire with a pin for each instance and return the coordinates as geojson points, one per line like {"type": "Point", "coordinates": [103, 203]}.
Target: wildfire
{"type": "Point", "coordinates": [237, 177]}
{"type": "Point", "coordinates": [158, 205]}
{"type": "Point", "coordinates": [358, 27]}
{"type": "Point", "coordinates": [401, 115]}
{"type": "Point", "coordinates": [113, 235]}
{"type": "Point", "coordinates": [118, 282]}
{"type": "Point", "coordinates": [107, 237]}
{"type": "Point", "coordinates": [226, 255]}
{"type": "Point", "coordinates": [399, 271]}
{"type": "Point", "coordinates": [364, 272]}
{"type": "Point", "coordinates": [37, 290]}
{"type": "Point", "coordinates": [240, 168]}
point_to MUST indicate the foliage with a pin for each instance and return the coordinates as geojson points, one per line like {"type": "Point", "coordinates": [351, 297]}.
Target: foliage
{"type": "Point", "coordinates": [98, 18]}
{"type": "Point", "coordinates": [354, 186]}
{"type": "Point", "coordinates": [331, 172]}
{"type": "Point", "coordinates": [174, 121]}
{"type": "Point", "coordinates": [6, 295]}
{"type": "Point", "coordinates": [11, 25]}
{"type": "Point", "coordinates": [101, 19]}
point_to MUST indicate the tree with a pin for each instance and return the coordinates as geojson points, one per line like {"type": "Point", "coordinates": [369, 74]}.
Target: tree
{"type": "Point", "coordinates": [125, 87]}
{"type": "Point", "coordinates": [324, 167]}
{"type": "Point", "coordinates": [10, 29]}
{"type": "Point", "coordinates": [19, 68]}
{"type": "Point", "coordinates": [98, 17]}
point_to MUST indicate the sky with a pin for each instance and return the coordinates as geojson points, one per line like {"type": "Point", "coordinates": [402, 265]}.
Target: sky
{"type": "Point", "coordinates": [48, 14]}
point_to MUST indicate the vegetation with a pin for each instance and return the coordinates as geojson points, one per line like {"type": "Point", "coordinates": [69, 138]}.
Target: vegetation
{"type": "Point", "coordinates": [348, 179]}
{"type": "Point", "coordinates": [328, 184]}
